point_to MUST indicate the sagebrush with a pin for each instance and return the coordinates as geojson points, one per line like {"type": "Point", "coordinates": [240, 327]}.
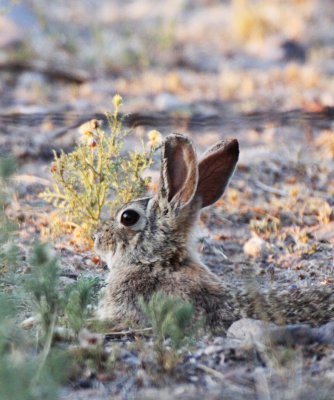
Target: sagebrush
{"type": "Point", "coordinates": [97, 176]}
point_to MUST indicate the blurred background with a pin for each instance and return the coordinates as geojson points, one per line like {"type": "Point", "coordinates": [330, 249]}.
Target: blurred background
{"type": "Point", "coordinates": [215, 67]}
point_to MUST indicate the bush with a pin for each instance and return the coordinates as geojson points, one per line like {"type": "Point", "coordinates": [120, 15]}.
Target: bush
{"type": "Point", "coordinates": [170, 318]}
{"type": "Point", "coordinates": [96, 177]}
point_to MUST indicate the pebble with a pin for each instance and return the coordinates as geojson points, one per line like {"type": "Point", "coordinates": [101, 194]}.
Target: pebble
{"type": "Point", "coordinates": [129, 358]}
{"type": "Point", "coordinates": [167, 101]}
{"type": "Point", "coordinates": [29, 80]}
{"type": "Point", "coordinates": [213, 350]}
{"type": "Point", "coordinates": [28, 323]}
{"type": "Point", "coordinates": [325, 333]}
{"type": "Point", "coordinates": [255, 246]}
{"type": "Point", "coordinates": [249, 329]}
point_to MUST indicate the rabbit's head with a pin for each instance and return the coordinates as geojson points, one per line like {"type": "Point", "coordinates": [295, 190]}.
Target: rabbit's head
{"type": "Point", "coordinates": [156, 230]}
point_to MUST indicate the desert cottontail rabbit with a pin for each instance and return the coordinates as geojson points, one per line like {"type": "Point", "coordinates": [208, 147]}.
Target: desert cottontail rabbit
{"type": "Point", "coordinates": [148, 247]}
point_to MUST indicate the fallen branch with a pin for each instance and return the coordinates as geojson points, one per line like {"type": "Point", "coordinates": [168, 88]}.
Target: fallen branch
{"type": "Point", "coordinates": [211, 371]}
{"type": "Point", "coordinates": [129, 332]}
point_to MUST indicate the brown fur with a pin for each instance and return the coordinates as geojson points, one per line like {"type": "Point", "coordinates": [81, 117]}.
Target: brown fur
{"type": "Point", "coordinates": [156, 253]}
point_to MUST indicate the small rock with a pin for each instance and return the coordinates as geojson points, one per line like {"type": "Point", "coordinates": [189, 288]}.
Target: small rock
{"type": "Point", "coordinates": [28, 323]}
{"type": "Point", "coordinates": [213, 350]}
{"type": "Point", "coordinates": [167, 101]}
{"type": "Point", "coordinates": [325, 333]}
{"type": "Point", "coordinates": [129, 358]}
{"type": "Point", "coordinates": [219, 340]}
{"type": "Point", "coordinates": [255, 246]}
{"type": "Point", "coordinates": [269, 333]}
{"type": "Point", "coordinates": [30, 80]}
{"type": "Point", "coordinates": [249, 329]}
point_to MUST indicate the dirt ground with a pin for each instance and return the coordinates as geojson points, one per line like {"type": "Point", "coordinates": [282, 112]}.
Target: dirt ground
{"type": "Point", "coordinates": [259, 71]}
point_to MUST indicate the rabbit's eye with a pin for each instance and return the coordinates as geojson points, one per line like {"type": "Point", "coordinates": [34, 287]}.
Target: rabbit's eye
{"type": "Point", "coordinates": [129, 217]}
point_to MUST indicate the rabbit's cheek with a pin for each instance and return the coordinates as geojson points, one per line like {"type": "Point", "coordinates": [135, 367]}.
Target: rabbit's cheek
{"type": "Point", "coordinates": [124, 237]}
{"type": "Point", "coordinates": [104, 242]}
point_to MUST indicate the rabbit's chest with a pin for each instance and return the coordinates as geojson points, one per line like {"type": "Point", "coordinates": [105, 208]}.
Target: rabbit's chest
{"type": "Point", "coordinates": [127, 284]}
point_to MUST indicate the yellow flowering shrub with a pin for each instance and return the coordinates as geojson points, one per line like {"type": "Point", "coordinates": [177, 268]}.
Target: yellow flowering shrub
{"type": "Point", "coordinates": [96, 177]}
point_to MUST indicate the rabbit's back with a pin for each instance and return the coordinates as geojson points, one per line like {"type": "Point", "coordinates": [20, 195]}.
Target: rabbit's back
{"type": "Point", "coordinates": [313, 305]}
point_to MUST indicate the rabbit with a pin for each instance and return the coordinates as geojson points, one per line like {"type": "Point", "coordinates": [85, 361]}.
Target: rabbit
{"type": "Point", "coordinates": [148, 246]}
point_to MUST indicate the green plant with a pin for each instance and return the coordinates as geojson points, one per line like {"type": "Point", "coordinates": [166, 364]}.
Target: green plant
{"type": "Point", "coordinates": [96, 176]}
{"type": "Point", "coordinates": [49, 302]}
{"type": "Point", "coordinates": [171, 318]}
{"type": "Point", "coordinates": [33, 366]}
{"type": "Point", "coordinates": [42, 288]}
{"type": "Point", "coordinates": [24, 372]}
{"type": "Point", "coordinates": [8, 248]}
{"type": "Point", "coordinates": [80, 297]}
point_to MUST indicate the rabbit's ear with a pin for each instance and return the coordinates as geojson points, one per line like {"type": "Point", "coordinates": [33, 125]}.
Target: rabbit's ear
{"type": "Point", "coordinates": [215, 170]}
{"type": "Point", "coordinates": [179, 170]}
